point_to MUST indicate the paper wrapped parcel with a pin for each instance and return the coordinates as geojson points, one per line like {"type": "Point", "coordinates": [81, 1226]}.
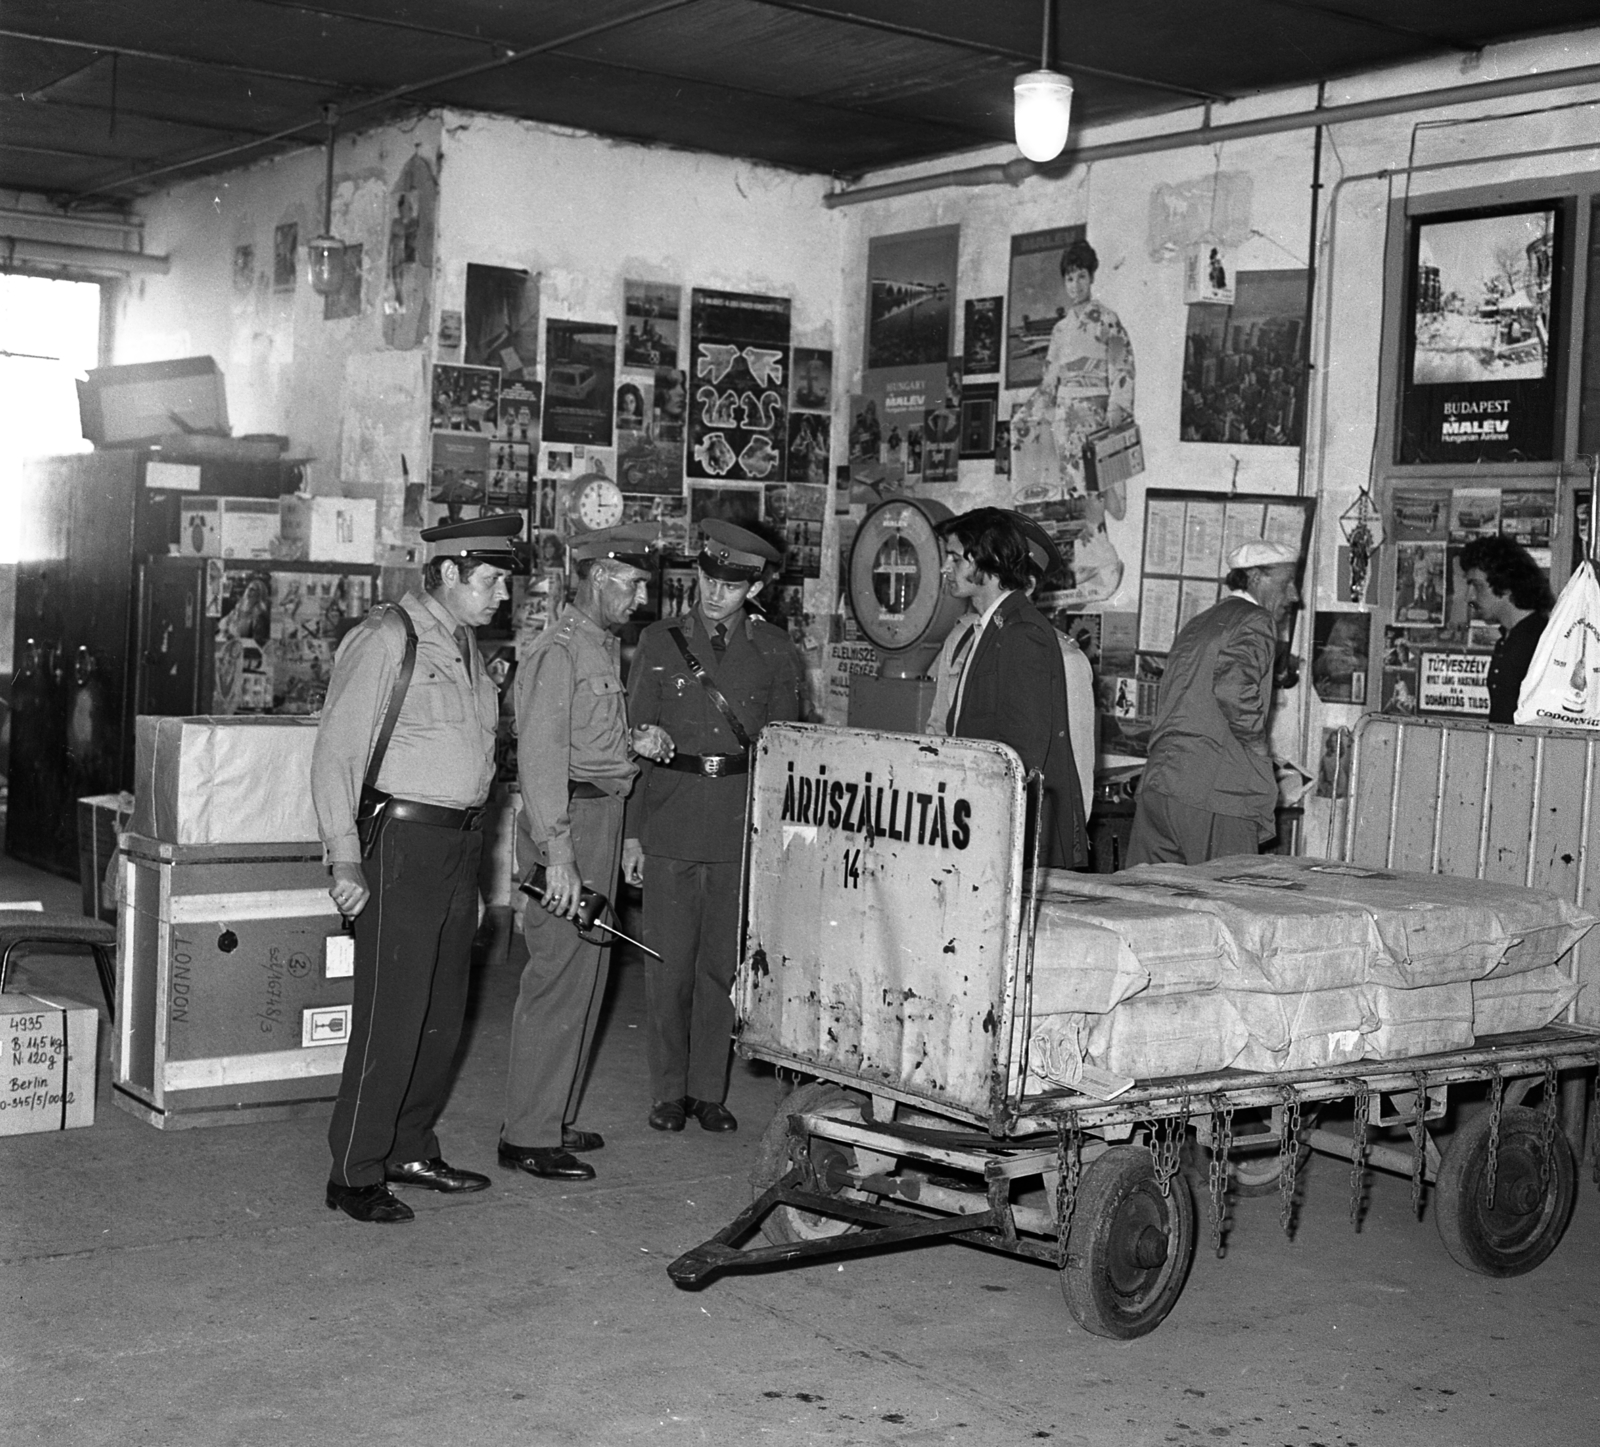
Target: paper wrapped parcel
{"type": "Point", "coordinates": [224, 779]}
{"type": "Point", "coordinates": [1274, 963]}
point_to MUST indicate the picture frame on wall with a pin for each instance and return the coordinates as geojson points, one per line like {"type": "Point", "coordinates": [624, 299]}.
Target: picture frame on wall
{"type": "Point", "coordinates": [1482, 335]}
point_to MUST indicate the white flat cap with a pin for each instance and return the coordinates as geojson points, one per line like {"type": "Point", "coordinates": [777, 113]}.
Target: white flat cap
{"type": "Point", "coordinates": [1262, 554]}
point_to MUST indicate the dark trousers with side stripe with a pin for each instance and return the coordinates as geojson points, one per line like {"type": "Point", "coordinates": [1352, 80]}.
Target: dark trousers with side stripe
{"type": "Point", "coordinates": [413, 957]}
{"type": "Point", "coordinates": [691, 918]}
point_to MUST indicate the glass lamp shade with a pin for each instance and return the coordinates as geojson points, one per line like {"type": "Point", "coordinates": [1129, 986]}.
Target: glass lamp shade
{"type": "Point", "coordinates": [325, 258]}
{"type": "Point", "coordinates": [1043, 112]}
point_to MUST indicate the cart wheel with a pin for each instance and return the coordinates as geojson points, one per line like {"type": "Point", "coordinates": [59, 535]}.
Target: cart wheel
{"type": "Point", "coordinates": [784, 1225]}
{"type": "Point", "coordinates": [1129, 1248]}
{"type": "Point", "coordinates": [1527, 1218]}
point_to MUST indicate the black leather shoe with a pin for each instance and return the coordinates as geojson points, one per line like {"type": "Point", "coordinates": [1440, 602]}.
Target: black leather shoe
{"type": "Point", "coordinates": [574, 1138]}
{"type": "Point", "coordinates": [667, 1115]}
{"type": "Point", "coordinates": [434, 1175]}
{"type": "Point", "coordinates": [712, 1114]}
{"type": "Point", "coordinates": [375, 1203]}
{"type": "Point", "coordinates": [550, 1161]}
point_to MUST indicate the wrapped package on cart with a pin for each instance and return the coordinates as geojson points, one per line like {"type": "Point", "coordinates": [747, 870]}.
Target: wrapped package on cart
{"type": "Point", "coordinates": [1317, 964]}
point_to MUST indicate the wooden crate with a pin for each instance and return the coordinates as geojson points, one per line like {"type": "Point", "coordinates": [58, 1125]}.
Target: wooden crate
{"type": "Point", "coordinates": [234, 983]}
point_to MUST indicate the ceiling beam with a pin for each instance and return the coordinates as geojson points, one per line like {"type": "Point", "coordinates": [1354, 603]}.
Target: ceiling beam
{"type": "Point", "coordinates": [121, 112]}
{"type": "Point", "coordinates": [197, 62]}
{"type": "Point", "coordinates": [1372, 22]}
{"type": "Point", "coordinates": [1028, 58]}
{"type": "Point", "coordinates": [990, 136]}
{"type": "Point", "coordinates": [385, 99]}
{"type": "Point", "coordinates": [387, 22]}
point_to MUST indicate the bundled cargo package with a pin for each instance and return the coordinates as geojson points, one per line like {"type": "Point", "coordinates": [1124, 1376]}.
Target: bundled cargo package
{"type": "Point", "coordinates": [227, 779]}
{"type": "Point", "coordinates": [1503, 1004]}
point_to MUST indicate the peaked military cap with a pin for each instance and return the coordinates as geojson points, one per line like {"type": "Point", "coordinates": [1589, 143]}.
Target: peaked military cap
{"type": "Point", "coordinates": [732, 553]}
{"type": "Point", "coordinates": [482, 540]}
{"type": "Point", "coordinates": [626, 543]}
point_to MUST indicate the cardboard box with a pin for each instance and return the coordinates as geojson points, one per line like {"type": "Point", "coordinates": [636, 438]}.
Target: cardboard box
{"type": "Point", "coordinates": [140, 404]}
{"type": "Point", "coordinates": [225, 779]}
{"type": "Point", "coordinates": [101, 817]}
{"type": "Point", "coordinates": [327, 529]}
{"type": "Point", "coordinates": [234, 984]}
{"type": "Point", "coordinates": [48, 1050]}
{"type": "Point", "coordinates": [247, 527]}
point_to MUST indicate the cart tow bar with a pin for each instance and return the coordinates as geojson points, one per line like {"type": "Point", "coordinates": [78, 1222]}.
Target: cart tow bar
{"type": "Point", "coordinates": [699, 1264]}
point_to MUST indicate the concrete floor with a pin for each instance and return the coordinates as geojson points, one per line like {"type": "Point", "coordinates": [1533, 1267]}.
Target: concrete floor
{"type": "Point", "coordinates": [189, 1288]}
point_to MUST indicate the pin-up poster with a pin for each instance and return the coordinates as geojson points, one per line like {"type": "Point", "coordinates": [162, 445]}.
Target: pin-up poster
{"type": "Point", "coordinates": [1479, 374]}
{"type": "Point", "coordinates": [738, 386]}
{"type": "Point", "coordinates": [579, 380]}
{"type": "Point", "coordinates": [911, 288]}
{"type": "Point", "coordinates": [650, 432]}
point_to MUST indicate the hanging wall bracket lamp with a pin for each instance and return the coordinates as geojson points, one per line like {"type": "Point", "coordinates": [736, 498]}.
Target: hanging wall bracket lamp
{"type": "Point", "coordinates": [325, 253]}
{"type": "Point", "coordinates": [1043, 102]}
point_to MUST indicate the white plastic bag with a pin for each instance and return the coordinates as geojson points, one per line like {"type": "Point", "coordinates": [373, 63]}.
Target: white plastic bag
{"type": "Point", "coordinates": [1562, 685]}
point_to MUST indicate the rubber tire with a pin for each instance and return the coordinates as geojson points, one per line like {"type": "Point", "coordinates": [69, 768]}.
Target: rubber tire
{"type": "Point", "coordinates": [1262, 1171]}
{"type": "Point", "coordinates": [1108, 1292]}
{"type": "Point", "coordinates": [1498, 1240]}
{"type": "Point", "coordinates": [784, 1225]}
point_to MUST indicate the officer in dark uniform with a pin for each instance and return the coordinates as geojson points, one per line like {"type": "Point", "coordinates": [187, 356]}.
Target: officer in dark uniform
{"type": "Point", "coordinates": [712, 680]}
{"type": "Point", "coordinates": [575, 763]}
{"type": "Point", "coordinates": [414, 898]}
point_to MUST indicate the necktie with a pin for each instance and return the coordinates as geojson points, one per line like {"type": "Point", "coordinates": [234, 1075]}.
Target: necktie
{"type": "Point", "coordinates": [719, 640]}
{"type": "Point", "coordinates": [464, 643]}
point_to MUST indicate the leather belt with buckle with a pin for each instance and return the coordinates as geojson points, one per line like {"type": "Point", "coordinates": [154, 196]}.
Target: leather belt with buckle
{"type": "Point", "coordinates": [441, 818]}
{"type": "Point", "coordinates": [710, 766]}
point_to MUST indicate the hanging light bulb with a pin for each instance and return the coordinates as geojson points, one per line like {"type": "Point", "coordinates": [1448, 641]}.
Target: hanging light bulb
{"type": "Point", "coordinates": [325, 253]}
{"type": "Point", "coordinates": [1043, 102]}
{"type": "Point", "coordinates": [1043, 113]}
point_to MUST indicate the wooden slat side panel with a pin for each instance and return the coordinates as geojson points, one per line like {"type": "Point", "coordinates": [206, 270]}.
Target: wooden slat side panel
{"type": "Point", "coordinates": [1463, 802]}
{"type": "Point", "coordinates": [1373, 780]}
{"type": "Point", "coordinates": [1412, 822]}
{"type": "Point", "coordinates": [1513, 813]}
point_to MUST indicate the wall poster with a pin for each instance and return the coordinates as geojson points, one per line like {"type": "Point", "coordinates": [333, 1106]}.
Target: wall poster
{"type": "Point", "coordinates": [1244, 364]}
{"type": "Point", "coordinates": [1482, 336]}
{"type": "Point", "coordinates": [982, 333]}
{"type": "Point", "coordinates": [738, 415]}
{"type": "Point", "coordinates": [650, 315]}
{"type": "Point", "coordinates": [502, 321]}
{"type": "Point", "coordinates": [579, 380]}
{"type": "Point", "coordinates": [1034, 300]}
{"type": "Point", "coordinates": [911, 288]}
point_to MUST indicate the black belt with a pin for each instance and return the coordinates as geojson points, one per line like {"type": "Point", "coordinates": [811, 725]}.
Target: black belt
{"type": "Point", "coordinates": [710, 766]}
{"type": "Point", "coordinates": [414, 813]}
{"type": "Point", "coordinates": [582, 789]}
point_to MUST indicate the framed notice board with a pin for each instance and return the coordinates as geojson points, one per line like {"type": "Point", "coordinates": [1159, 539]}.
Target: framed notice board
{"type": "Point", "coordinates": [1187, 538]}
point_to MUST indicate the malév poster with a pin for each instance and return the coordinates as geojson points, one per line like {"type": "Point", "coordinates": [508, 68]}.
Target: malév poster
{"type": "Point", "coordinates": [1478, 376]}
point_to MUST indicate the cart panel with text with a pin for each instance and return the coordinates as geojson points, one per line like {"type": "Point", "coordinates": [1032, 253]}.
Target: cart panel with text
{"type": "Point", "coordinates": [882, 896]}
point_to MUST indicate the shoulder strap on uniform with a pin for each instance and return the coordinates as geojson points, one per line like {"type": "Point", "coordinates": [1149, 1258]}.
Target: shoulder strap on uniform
{"type": "Point", "coordinates": [714, 693]}
{"type": "Point", "coordinates": [397, 695]}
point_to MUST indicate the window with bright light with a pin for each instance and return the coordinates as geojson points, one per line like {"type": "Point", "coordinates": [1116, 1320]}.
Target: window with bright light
{"type": "Point", "coordinates": [49, 337]}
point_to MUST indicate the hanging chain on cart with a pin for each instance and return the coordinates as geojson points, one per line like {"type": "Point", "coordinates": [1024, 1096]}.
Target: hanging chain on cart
{"type": "Point", "coordinates": [1491, 1166]}
{"type": "Point", "coordinates": [1361, 1103]}
{"type": "Point", "coordinates": [1419, 1140]}
{"type": "Point", "coordinates": [1166, 1142]}
{"type": "Point", "coordinates": [1069, 1170]}
{"type": "Point", "coordinates": [1217, 1176]}
{"type": "Point", "coordinates": [1288, 1157]}
{"type": "Point", "coordinates": [1547, 1123]}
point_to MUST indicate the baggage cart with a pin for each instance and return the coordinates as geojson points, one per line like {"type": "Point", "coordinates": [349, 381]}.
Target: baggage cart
{"type": "Point", "coordinates": [887, 960]}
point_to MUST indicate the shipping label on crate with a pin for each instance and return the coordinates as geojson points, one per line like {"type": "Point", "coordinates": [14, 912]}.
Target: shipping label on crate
{"type": "Point", "coordinates": [47, 1064]}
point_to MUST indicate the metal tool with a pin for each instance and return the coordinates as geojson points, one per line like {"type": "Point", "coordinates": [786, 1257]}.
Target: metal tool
{"type": "Point", "coordinates": [591, 903]}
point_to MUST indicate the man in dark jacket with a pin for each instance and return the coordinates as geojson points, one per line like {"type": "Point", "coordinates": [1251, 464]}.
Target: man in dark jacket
{"type": "Point", "coordinates": [1506, 586]}
{"type": "Point", "coordinates": [1011, 687]}
{"type": "Point", "coordinates": [1209, 788]}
